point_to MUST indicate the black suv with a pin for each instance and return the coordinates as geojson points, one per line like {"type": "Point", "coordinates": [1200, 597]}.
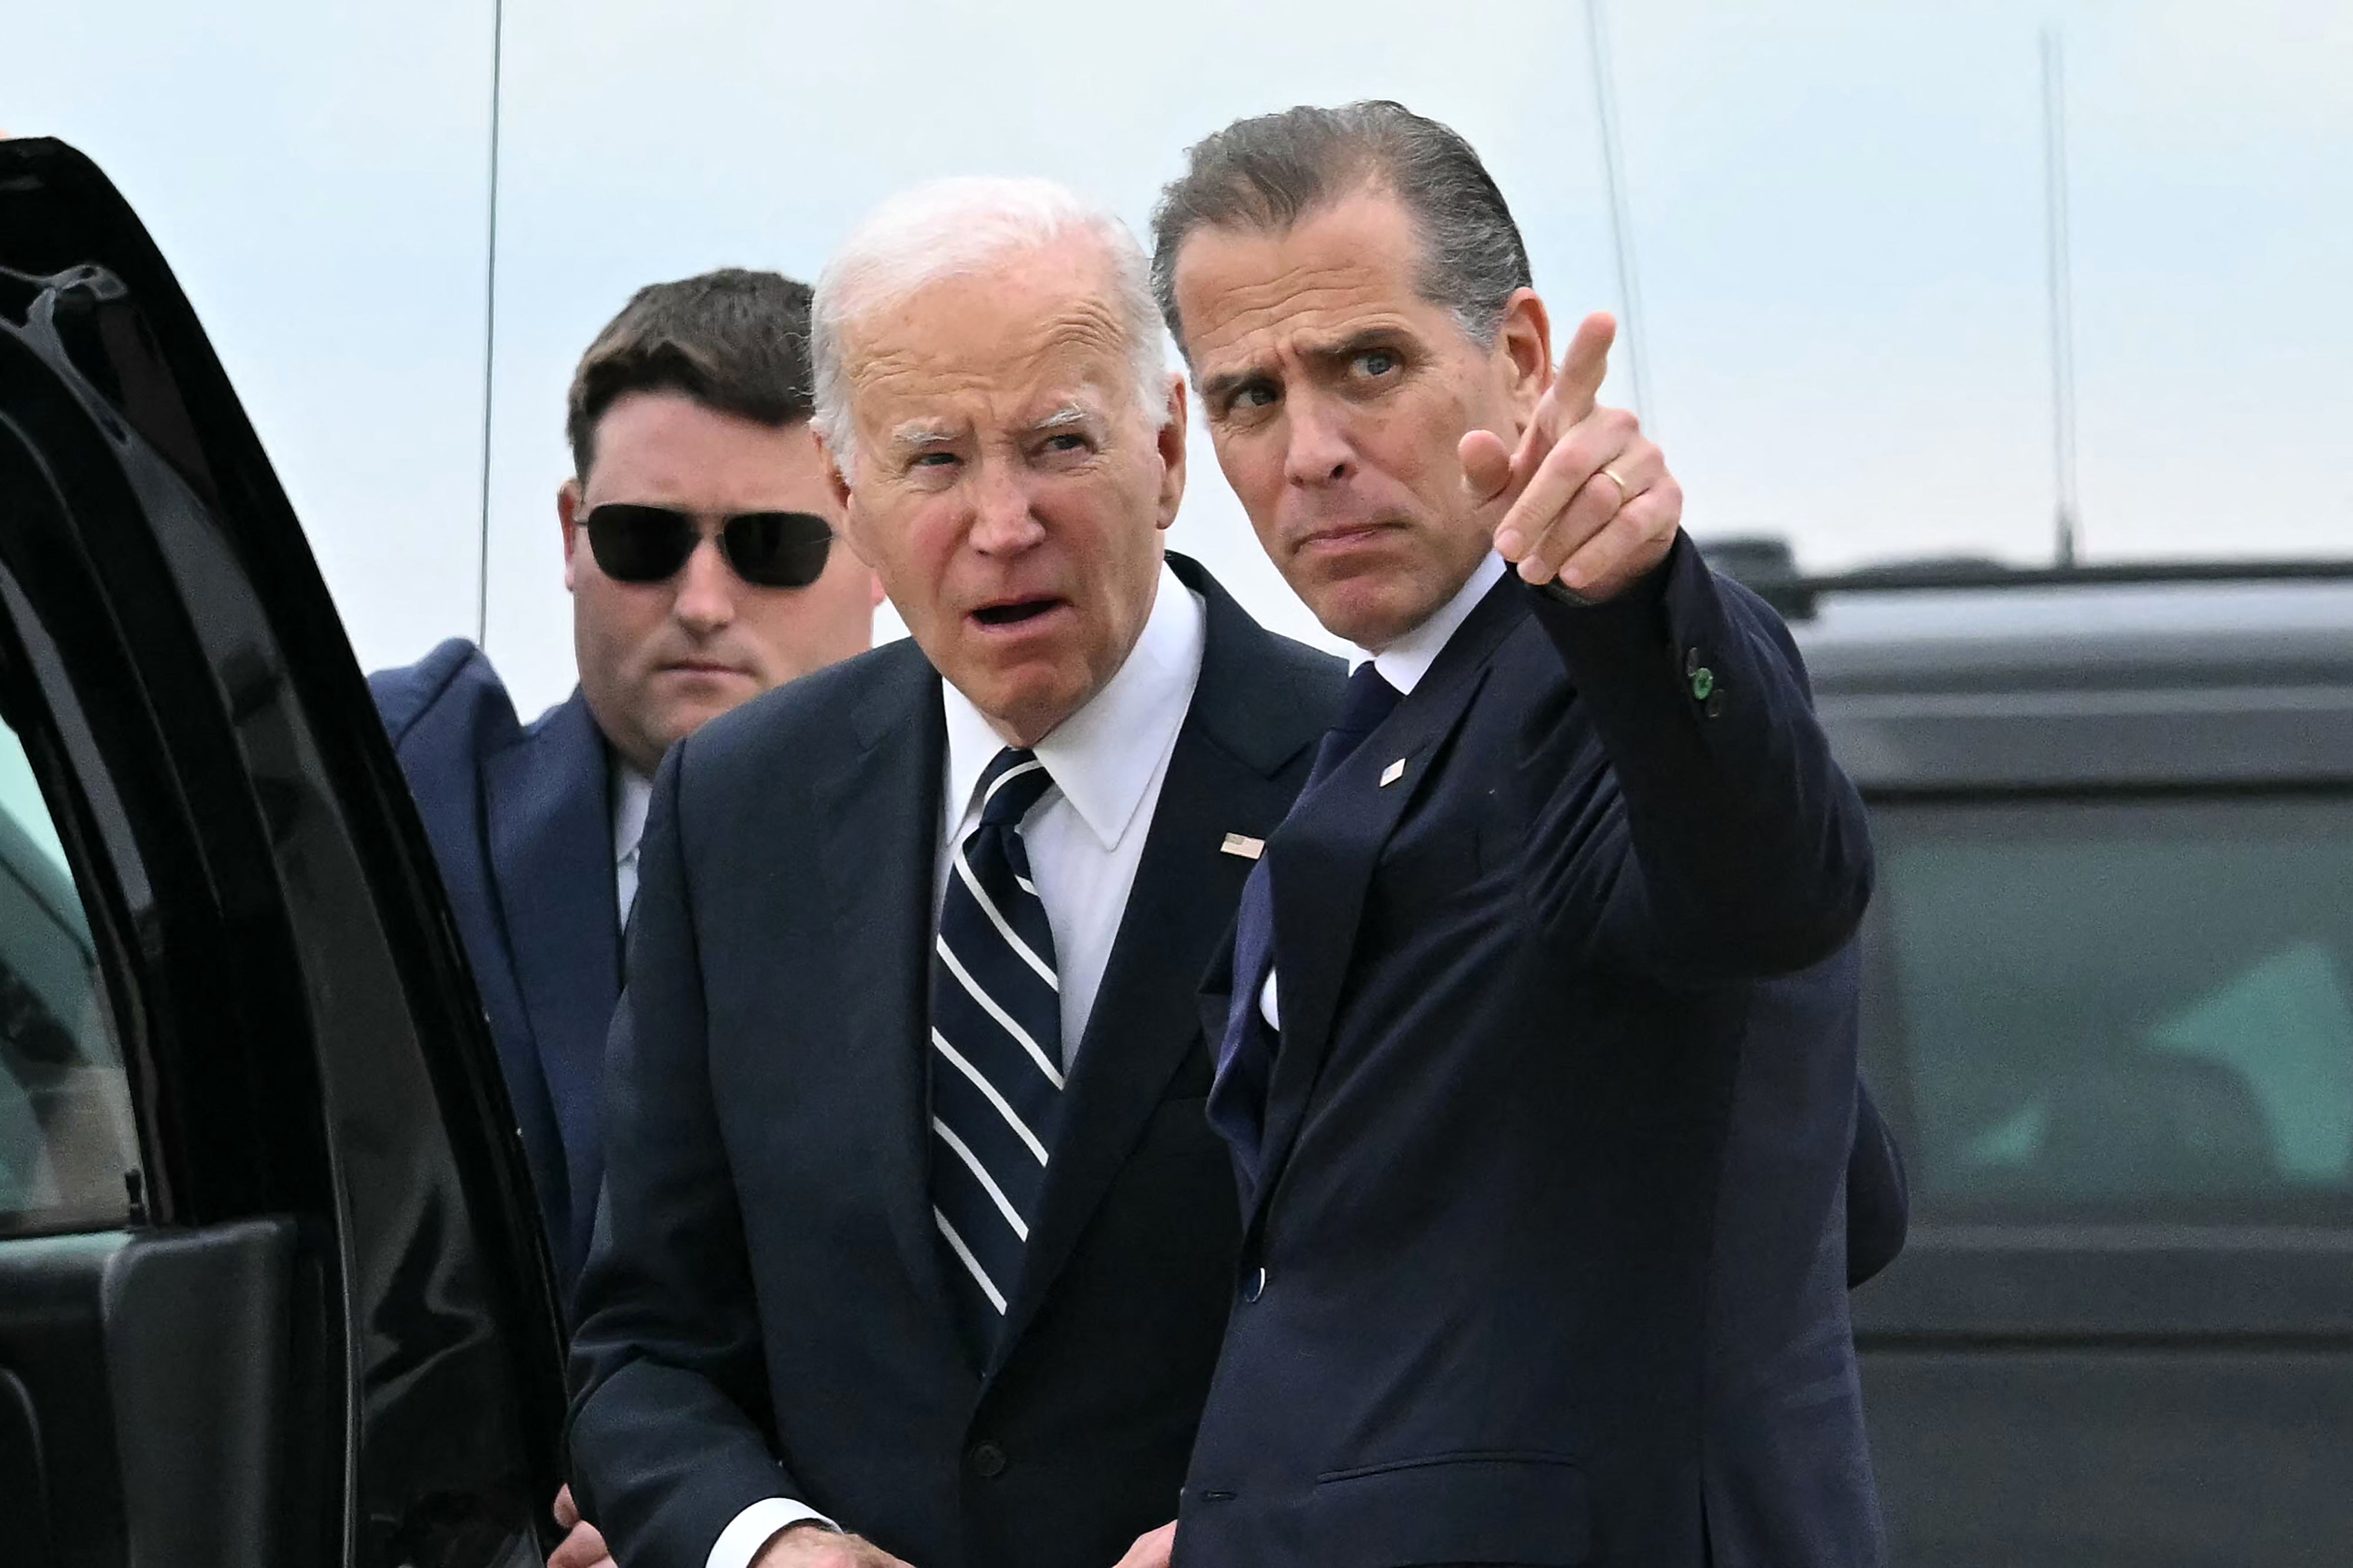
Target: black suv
{"type": "Point", "coordinates": [271, 1289]}
{"type": "Point", "coordinates": [2108, 1008]}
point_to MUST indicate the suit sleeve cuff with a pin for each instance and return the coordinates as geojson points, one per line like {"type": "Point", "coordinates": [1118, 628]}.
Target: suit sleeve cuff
{"type": "Point", "coordinates": [739, 1544]}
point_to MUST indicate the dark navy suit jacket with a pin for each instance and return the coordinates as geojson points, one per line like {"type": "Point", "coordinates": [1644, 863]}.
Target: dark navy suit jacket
{"type": "Point", "coordinates": [521, 820]}
{"type": "Point", "coordinates": [766, 1310]}
{"type": "Point", "coordinates": [1547, 1258]}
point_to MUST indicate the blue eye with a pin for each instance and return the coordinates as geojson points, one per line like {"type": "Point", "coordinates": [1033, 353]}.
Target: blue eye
{"type": "Point", "coordinates": [1377, 362]}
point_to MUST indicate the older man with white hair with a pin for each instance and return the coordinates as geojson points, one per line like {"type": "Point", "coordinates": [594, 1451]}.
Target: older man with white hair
{"type": "Point", "coordinates": [916, 1246]}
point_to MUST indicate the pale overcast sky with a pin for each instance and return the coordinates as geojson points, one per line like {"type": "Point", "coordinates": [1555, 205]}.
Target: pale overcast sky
{"type": "Point", "coordinates": [1837, 209]}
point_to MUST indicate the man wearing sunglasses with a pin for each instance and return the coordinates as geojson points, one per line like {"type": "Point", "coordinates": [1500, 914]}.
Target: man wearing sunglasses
{"type": "Point", "coordinates": [913, 1223]}
{"type": "Point", "coordinates": [698, 533]}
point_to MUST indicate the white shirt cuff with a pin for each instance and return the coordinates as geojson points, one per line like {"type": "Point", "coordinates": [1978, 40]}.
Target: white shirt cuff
{"type": "Point", "coordinates": [752, 1529]}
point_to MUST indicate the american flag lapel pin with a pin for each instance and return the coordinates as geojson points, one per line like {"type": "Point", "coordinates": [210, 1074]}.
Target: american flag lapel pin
{"type": "Point", "coordinates": [1243, 845]}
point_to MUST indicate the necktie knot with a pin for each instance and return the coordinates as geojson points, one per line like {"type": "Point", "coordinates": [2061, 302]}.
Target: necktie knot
{"type": "Point", "coordinates": [1011, 785]}
{"type": "Point", "coordinates": [1369, 700]}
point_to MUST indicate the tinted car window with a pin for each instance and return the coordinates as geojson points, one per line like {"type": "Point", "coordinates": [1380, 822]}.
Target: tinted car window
{"type": "Point", "coordinates": [67, 1143]}
{"type": "Point", "coordinates": [2137, 1009]}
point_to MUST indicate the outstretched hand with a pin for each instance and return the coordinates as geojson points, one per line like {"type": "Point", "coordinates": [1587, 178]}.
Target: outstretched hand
{"type": "Point", "coordinates": [1587, 497]}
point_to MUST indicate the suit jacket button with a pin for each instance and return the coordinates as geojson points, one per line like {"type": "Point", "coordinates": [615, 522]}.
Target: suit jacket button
{"type": "Point", "coordinates": [1254, 1284]}
{"type": "Point", "coordinates": [987, 1460]}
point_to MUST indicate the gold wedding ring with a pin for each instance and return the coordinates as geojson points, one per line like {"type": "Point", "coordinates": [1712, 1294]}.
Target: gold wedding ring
{"type": "Point", "coordinates": [1625, 490]}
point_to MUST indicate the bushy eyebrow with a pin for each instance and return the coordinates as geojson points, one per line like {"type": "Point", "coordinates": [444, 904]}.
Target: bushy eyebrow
{"type": "Point", "coordinates": [1327, 353]}
{"type": "Point", "coordinates": [1063, 418]}
{"type": "Point", "coordinates": [1215, 388]}
{"type": "Point", "coordinates": [918, 432]}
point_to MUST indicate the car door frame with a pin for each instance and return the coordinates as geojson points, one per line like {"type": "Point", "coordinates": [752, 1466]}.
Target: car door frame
{"type": "Point", "coordinates": [303, 1036]}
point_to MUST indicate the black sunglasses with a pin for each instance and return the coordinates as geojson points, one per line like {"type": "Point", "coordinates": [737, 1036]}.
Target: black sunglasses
{"type": "Point", "coordinates": [636, 544]}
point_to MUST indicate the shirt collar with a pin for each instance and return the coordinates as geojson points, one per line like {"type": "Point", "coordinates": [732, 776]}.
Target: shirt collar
{"type": "Point", "coordinates": [1405, 662]}
{"type": "Point", "coordinates": [633, 795]}
{"type": "Point", "coordinates": [1103, 756]}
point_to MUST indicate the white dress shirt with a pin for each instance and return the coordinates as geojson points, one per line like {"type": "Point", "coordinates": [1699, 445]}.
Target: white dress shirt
{"type": "Point", "coordinates": [1403, 664]}
{"type": "Point", "coordinates": [633, 795]}
{"type": "Point", "coordinates": [1084, 838]}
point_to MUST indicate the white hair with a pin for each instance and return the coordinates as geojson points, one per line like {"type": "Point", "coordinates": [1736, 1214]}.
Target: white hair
{"type": "Point", "coordinates": [948, 228]}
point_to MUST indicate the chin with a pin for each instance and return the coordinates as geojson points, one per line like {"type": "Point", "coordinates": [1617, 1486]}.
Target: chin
{"type": "Point", "coordinates": [1366, 611]}
{"type": "Point", "coordinates": [1033, 703]}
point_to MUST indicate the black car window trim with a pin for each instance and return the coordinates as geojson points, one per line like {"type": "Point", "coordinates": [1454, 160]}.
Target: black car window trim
{"type": "Point", "coordinates": [119, 991]}
{"type": "Point", "coordinates": [161, 876]}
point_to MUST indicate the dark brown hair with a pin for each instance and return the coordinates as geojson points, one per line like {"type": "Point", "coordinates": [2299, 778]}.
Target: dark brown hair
{"type": "Point", "coordinates": [1266, 173]}
{"type": "Point", "coordinates": [734, 341]}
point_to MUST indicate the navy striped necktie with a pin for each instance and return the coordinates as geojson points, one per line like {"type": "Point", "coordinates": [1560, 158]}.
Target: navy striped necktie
{"type": "Point", "coordinates": [996, 1053]}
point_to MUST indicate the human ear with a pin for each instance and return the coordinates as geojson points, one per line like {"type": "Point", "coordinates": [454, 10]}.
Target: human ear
{"type": "Point", "coordinates": [1523, 354]}
{"type": "Point", "coordinates": [835, 480]}
{"type": "Point", "coordinates": [567, 511]}
{"type": "Point", "coordinates": [1171, 441]}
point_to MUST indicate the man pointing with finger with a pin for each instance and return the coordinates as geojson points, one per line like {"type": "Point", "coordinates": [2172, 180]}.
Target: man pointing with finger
{"type": "Point", "coordinates": [1537, 1034]}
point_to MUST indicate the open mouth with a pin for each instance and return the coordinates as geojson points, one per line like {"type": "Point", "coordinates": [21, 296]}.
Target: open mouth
{"type": "Point", "coordinates": [1014, 613]}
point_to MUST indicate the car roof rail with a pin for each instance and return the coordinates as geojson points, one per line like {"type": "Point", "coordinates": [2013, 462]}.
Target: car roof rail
{"type": "Point", "coordinates": [1768, 567]}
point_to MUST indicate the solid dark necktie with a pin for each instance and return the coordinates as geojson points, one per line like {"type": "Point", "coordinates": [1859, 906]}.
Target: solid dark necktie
{"type": "Point", "coordinates": [1246, 1054]}
{"type": "Point", "coordinates": [997, 1053]}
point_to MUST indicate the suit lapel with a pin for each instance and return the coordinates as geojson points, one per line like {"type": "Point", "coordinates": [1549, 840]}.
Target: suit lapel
{"type": "Point", "coordinates": [1320, 862]}
{"type": "Point", "coordinates": [1143, 1020]}
{"type": "Point", "coordinates": [550, 846]}
{"type": "Point", "coordinates": [878, 815]}
{"type": "Point", "coordinates": [1234, 770]}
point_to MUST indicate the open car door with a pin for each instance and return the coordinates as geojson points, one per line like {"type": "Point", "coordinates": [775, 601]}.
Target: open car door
{"type": "Point", "coordinates": [272, 1291]}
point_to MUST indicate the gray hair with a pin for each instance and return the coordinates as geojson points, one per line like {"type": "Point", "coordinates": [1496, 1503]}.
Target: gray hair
{"type": "Point", "coordinates": [1266, 173]}
{"type": "Point", "coordinates": [947, 229]}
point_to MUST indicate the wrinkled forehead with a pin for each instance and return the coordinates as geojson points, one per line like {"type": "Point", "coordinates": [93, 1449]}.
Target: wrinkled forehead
{"type": "Point", "coordinates": [991, 343]}
{"type": "Point", "coordinates": [1245, 295]}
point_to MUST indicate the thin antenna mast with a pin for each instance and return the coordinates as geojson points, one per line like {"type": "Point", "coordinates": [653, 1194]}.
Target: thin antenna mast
{"type": "Point", "coordinates": [2062, 293]}
{"type": "Point", "coordinates": [490, 333]}
{"type": "Point", "coordinates": [1622, 225]}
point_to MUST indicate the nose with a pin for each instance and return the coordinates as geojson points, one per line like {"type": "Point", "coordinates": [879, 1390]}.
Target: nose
{"type": "Point", "coordinates": [706, 591]}
{"type": "Point", "coordinates": [1002, 520]}
{"type": "Point", "coordinates": [1318, 453]}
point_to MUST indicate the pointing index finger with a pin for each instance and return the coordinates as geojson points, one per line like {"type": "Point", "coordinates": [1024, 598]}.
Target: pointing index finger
{"type": "Point", "coordinates": [1565, 404]}
{"type": "Point", "coordinates": [1583, 366]}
